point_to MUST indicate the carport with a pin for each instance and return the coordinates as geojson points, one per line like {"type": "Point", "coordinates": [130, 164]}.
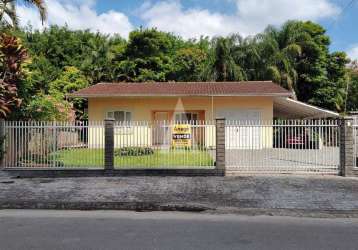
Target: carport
{"type": "Point", "coordinates": [288, 108]}
{"type": "Point", "coordinates": [304, 140]}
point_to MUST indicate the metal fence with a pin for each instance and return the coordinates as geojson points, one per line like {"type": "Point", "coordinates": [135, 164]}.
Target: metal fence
{"type": "Point", "coordinates": [355, 142]}
{"type": "Point", "coordinates": [30, 144]}
{"type": "Point", "coordinates": [164, 144]}
{"type": "Point", "coordinates": [283, 146]}
{"type": "Point", "coordinates": [258, 146]}
{"type": "Point", "coordinates": [136, 144]}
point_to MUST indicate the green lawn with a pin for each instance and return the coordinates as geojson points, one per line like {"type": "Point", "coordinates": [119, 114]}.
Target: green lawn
{"type": "Point", "coordinates": [160, 159]}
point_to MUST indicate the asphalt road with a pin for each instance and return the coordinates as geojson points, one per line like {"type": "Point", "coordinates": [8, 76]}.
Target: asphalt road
{"type": "Point", "coordinates": [43, 229]}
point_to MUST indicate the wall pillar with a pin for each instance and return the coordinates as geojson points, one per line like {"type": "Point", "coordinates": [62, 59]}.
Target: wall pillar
{"type": "Point", "coordinates": [2, 142]}
{"type": "Point", "coordinates": [220, 145]}
{"type": "Point", "coordinates": [347, 161]}
{"type": "Point", "coordinates": [108, 144]}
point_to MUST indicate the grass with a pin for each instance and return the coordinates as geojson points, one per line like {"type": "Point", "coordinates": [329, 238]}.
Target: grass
{"type": "Point", "coordinates": [160, 159]}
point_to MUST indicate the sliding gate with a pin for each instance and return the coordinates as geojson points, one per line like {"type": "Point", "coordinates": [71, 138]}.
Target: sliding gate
{"type": "Point", "coordinates": [283, 146]}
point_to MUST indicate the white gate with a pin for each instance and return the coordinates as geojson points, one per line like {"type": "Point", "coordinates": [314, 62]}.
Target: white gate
{"type": "Point", "coordinates": [283, 146]}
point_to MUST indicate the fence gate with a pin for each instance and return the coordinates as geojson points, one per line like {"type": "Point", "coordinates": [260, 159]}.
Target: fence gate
{"type": "Point", "coordinates": [283, 146]}
{"type": "Point", "coordinates": [355, 142]}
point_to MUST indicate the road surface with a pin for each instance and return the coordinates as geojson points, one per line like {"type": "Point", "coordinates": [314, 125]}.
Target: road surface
{"type": "Point", "coordinates": [43, 229]}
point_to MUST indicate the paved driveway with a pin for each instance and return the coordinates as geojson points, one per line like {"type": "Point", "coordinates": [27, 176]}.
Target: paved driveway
{"type": "Point", "coordinates": [325, 159]}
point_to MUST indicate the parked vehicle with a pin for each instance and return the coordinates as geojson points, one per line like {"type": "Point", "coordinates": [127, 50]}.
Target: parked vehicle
{"type": "Point", "coordinates": [296, 141]}
{"type": "Point", "coordinates": [296, 138]}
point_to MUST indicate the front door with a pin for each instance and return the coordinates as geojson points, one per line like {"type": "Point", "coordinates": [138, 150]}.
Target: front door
{"type": "Point", "coordinates": [161, 132]}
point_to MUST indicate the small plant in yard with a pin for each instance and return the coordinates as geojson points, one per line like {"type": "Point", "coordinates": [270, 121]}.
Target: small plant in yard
{"type": "Point", "coordinates": [133, 151]}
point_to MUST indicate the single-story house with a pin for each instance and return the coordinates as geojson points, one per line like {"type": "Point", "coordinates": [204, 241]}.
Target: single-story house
{"type": "Point", "coordinates": [164, 101]}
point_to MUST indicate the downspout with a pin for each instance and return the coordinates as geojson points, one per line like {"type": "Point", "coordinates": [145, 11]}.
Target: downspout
{"type": "Point", "coordinates": [212, 108]}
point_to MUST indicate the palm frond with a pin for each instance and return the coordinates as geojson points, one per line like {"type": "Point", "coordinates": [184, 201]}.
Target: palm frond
{"type": "Point", "coordinates": [41, 6]}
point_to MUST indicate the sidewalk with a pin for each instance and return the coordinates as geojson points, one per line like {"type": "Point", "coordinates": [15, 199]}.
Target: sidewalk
{"type": "Point", "coordinates": [277, 195]}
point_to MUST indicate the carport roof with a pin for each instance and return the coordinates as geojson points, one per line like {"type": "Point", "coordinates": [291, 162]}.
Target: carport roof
{"type": "Point", "coordinates": [291, 109]}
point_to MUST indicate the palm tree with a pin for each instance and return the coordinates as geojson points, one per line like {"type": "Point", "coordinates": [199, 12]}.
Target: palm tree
{"type": "Point", "coordinates": [247, 55]}
{"type": "Point", "coordinates": [8, 14]}
{"type": "Point", "coordinates": [221, 65]}
{"type": "Point", "coordinates": [279, 50]}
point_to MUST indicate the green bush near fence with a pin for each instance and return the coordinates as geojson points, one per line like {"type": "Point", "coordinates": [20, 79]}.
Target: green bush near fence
{"type": "Point", "coordinates": [156, 159]}
{"type": "Point", "coordinates": [133, 151]}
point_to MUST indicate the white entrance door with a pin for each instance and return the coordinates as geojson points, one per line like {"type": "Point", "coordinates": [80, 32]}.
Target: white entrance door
{"type": "Point", "coordinates": [241, 132]}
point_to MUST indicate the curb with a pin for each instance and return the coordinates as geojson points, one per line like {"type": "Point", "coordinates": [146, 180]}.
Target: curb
{"type": "Point", "coordinates": [131, 206]}
{"type": "Point", "coordinates": [150, 207]}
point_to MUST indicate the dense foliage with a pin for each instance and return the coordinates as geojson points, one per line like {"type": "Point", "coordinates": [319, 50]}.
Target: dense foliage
{"type": "Point", "coordinates": [295, 55]}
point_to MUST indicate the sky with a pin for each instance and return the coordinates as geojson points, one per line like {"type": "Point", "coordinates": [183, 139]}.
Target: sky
{"type": "Point", "coordinates": [194, 18]}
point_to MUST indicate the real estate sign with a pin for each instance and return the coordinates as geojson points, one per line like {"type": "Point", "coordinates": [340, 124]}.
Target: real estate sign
{"type": "Point", "coordinates": [181, 135]}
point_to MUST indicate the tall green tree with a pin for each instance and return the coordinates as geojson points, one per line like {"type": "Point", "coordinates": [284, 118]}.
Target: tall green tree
{"type": "Point", "coordinates": [221, 64]}
{"type": "Point", "coordinates": [188, 63]}
{"type": "Point", "coordinates": [333, 93]}
{"type": "Point", "coordinates": [313, 62]}
{"type": "Point", "coordinates": [69, 81]}
{"type": "Point", "coordinates": [279, 50]}
{"type": "Point", "coordinates": [147, 56]}
{"type": "Point", "coordinates": [352, 90]}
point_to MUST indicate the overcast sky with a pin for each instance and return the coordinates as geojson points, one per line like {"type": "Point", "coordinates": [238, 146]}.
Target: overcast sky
{"type": "Point", "coordinates": [193, 18]}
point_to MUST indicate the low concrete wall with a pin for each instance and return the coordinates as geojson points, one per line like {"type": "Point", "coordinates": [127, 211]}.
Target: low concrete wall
{"type": "Point", "coordinates": [59, 173]}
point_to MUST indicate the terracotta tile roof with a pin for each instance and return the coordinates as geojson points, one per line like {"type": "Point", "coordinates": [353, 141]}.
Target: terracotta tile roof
{"type": "Point", "coordinates": [251, 88]}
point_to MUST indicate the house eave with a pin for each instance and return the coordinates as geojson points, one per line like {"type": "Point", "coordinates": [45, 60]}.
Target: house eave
{"type": "Point", "coordinates": [177, 95]}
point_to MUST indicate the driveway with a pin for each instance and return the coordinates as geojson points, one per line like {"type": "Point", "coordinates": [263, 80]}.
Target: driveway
{"type": "Point", "coordinates": [325, 159]}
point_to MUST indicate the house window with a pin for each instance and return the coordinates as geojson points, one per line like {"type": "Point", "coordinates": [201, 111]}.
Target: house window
{"type": "Point", "coordinates": [187, 116]}
{"type": "Point", "coordinates": [120, 116]}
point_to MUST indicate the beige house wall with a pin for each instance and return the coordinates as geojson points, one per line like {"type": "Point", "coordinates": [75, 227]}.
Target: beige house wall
{"type": "Point", "coordinates": [143, 108]}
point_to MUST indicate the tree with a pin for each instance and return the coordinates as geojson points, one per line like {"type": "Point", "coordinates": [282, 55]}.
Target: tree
{"type": "Point", "coordinates": [50, 108]}
{"type": "Point", "coordinates": [279, 50]}
{"type": "Point", "coordinates": [95, 54]}
{"type": "Point", "coordinates": [221, 64]}
{"type": "Point", "coordinates": [188, 64]}
{"type": "Point", "coordinates": [311, 66]}
{"type": "Point", "coordinates": [352, 94]}
{"type": "Point", "coordinates": [147, 56]}
{"type": "Point", "coordinates": [295, 55]}
{"type": "Point", "coordinates": [70, 80]}
{"type": "Point", "coordinates": [8, 11]}
{"type": "Point", "coordinates": [333, 94]}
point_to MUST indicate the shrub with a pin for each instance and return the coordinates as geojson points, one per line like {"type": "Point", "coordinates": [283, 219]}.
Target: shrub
{"type": "Point", "coordinates": [133, 151]}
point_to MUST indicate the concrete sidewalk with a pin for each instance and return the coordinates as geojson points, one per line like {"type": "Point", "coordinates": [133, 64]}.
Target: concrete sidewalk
{"type": "Point", "coordinates": [277, 195]}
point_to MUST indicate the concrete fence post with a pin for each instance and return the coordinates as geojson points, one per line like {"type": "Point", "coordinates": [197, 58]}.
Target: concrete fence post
{"type": "Point", "coordinates": [220, 145]}
{"type": "Point", "coordinates": [2, 142]}
{"type": "Point", "coordinates": [108, 144]}
{"type": "Point", "coordinates": [346, 146]}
